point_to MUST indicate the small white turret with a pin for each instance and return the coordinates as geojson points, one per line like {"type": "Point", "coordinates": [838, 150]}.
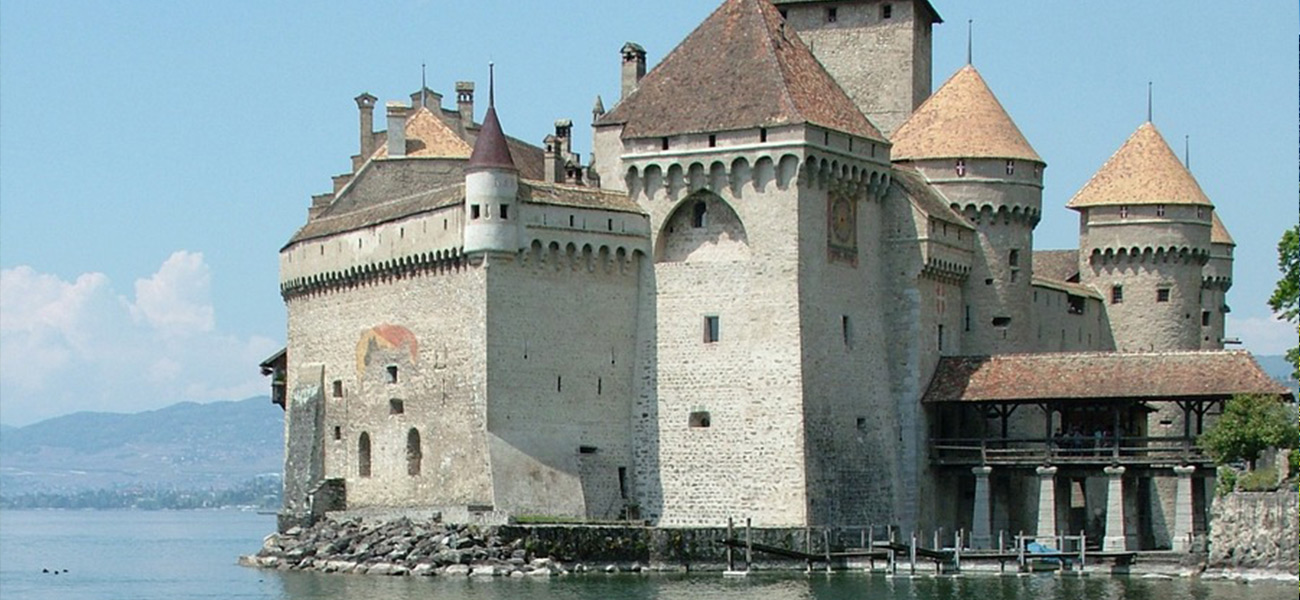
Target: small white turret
{"type": "Point", "coordinates": [491, 190]}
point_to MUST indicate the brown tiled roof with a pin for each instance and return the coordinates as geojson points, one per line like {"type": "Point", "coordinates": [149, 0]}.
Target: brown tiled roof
{"type": "Point", "coordinates": [576, 196]}
{"type": "Point", "coordinates": [1069, 287]}
{"type": "Point", "coordinates": [740, 69]}
{"type": "Point", "coordinates": [1218, 232]}
{"type": "Point", "coordinates": [428, 136]}
{"type": "Point", "coordinates": [1144, 170]}
{"type": "Point", "coordinates": [963, 119]}
{"type": "Point", "coordinates": [1061, 265]}
{"type": "Point", "coordinates": [926, 197]}
{"type": "Point", "coordinates": [380, 212]}
{"type": "Point", "coordinates": [1099, 376]}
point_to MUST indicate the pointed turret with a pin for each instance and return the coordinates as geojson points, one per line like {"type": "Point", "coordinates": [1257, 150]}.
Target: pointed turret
{"type": "Point", "coordinates": [1145, 241]}
{"type": "Point", "coordinates": [491, 188]}
{"type": "Point", "coordinates": [964, 142]}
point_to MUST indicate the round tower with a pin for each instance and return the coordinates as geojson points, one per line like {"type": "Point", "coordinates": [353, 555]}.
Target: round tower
{"type": "Point", "coordinates": [966, 145]}
{"type": "Point", "coordinates": [491, 190]}
{"type": "Point", "coordinates": [1215, 281]}
{"type": "Point", "coordinates": [1144, 241]}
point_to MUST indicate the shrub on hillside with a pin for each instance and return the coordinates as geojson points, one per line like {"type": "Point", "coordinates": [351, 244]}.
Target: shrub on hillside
{"type": "Point", "coordinates": [1261, 480]}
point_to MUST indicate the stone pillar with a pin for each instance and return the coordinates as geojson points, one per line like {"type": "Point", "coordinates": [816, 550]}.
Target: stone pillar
{"type": "Point", "coordinates": [1046, 503]}
{"type": "Point", "coordinates": [980, 536]}
{"type": "Point", "coordinates": [1114, 540]}
{"type": "Point", "coordinates": [1183, 503]}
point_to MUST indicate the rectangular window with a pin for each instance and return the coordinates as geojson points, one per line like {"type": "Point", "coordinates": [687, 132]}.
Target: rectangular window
{"type": "Point", "coordinates": [1160, 210]}
{"type": "Point", "coordinates": [1015, 275]}
{"type": "Point", "coordinates": [396, 407]}
{"type": "Point", "coordinates": [663, 143]}
{"type": "Point", "coordinates": [1205, 318]}
{"type": "Point", "coordinates": [1162, 294]}
{"type": "Point", "coordinates": [960, 168]}
{"type": "Point", "coordinates": [1123, 212]}
{"type": "Point", "coordinates": [967, 317]}
{"type": "Point", "coordinates": [474, 211]}
{"type": "Point", "coordinates": [1116, 294]}
{"type": "Point", "coordinates": [846, 327]}
{"type": "Point", "coordinates": [711, 331]}
{"type": "Point", "coordinates": [886, 11]}
{"type": "Point", "coordinates": [762, 134]}
{"type": "Point", "coordinates": [1011, 167]}
{"type": "Point", "coordinates": [1013, 258]}
{"type": "Point", "coordinates": [699, 418]}
{"type": "Point", "coordinates": [338, 388]}
{"type": "Point", "coordinates": [713, 140]}
{"type": "Point", "coordinates": [505, 211]}
{"type": "Point", "coordinates": [832, 15]}
{"type": "Point", "coordinates": [392, 373]}
{"type": "Point", "coordinates": [699, 214]}
{"type": "Point", "coordinates": [338, 432]}
{"type": "Point", "coordinates": [941, 338]}
{"type": "Point", "coordinates": [622, 482]}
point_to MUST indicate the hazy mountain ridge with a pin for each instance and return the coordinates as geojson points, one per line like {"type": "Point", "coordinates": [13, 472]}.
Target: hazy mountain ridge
{"type": "Point", "coordinates": [183, 446]}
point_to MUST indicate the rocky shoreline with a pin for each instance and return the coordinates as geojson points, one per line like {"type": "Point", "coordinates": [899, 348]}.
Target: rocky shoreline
{"type": "Point", "coordinates": [406, 547]}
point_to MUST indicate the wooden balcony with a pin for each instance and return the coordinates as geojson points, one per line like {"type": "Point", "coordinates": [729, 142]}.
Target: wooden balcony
{"type": "Point", "coordinates": [1081, 452]}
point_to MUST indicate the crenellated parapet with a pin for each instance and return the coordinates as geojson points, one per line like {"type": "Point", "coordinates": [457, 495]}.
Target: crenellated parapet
{"type": "Point", "coordinates": [603, 259]}
{"type": "Point", "coordinates": [425, 263]}
{"type": "Point", "coordinates": [1186, 255]}
{"type": "Point", "coordinates": [659, 177]}
{"type": "Point", "coordinates": [1026, 214]}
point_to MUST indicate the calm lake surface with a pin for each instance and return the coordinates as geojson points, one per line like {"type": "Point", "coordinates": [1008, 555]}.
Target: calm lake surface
{"type": "Point", "coordinates": [191, 554]}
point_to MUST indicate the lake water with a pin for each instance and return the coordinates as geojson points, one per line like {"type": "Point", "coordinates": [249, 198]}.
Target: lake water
{"type": "Point", "coordinates": [191, 554]}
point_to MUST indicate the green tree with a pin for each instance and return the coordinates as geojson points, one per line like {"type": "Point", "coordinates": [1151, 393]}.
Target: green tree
{"type": "Point", "coordinates": [1249, 425]}
{"type": "Point", "coordinates": [1287, 294]}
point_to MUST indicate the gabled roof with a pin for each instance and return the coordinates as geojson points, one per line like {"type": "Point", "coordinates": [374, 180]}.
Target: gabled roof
{"type": "Point", "coordinates": [741, 68]}
{"type": "Point", "coordinates": [1144, 170]}
{"type": "Point", "coordinates": [428, 136]}
{"type": "Point", "coordinates": [1084, 376]}
{"type": "Point", "coordinates": [1218, 232]}
{"type": "Point", "coordinates": [963, 119]}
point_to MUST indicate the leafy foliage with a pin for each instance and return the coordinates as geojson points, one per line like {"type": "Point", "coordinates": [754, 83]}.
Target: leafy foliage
{"type": "Point", "coordinates": [1286, 296]}
{"type": "Point", "coordinates": [1262, 480]}
{"type": "Point", "coordinates": [1225, 481]}
{"type": "Point", "coordinates": [1249, 425]}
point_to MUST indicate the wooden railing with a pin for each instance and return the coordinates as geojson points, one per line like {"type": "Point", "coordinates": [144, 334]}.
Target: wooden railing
{"type": "Point", "coordinates": [1080, 451]}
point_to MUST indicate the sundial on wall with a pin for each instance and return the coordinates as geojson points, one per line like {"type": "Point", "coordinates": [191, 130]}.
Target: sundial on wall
{"type": "Point", "coordinates": [842, 228]}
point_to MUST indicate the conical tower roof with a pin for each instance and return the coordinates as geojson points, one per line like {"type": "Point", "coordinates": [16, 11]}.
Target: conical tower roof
{"type": "Point", "coordinates": [1144, 170]}
{"type": "Point", "coordinates": [741, 68]}
{"type": "Point", "coordinates": [428, 136]}
{"type": "Point", "coordinates": [490, 149]}
{"type": "Point", "coordinates": [963, 119]}
{"type": "Point", "coordinates": [1218, 232]}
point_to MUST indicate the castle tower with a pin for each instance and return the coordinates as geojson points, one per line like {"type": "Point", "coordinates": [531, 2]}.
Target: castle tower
{"type": "Point", "coordinates": [964, 143]}
{"type": "Point", "coordinates": [1215, 281]}
{"type": "Point", "coordinates": [491, 189]}
{"type": "Point", "coordinates": [1145, 239]}
{"type": "Point", "coordinates": [877, 50]}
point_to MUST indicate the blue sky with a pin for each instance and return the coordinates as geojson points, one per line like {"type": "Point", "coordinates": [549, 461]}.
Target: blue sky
{"type": "Point", "coordinates": [154, 155]}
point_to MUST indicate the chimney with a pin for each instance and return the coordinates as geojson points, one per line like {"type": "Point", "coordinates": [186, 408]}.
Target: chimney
{"type": "Point", "coordinates": [552, 163]}
{"type": "Point", "coordinates": [633, 67]}
{"type": "Point", "coordinates": [465, 103]}
{"type": "Point", "coordinates": [427, 98]}
{"type": "Point", "coordinates": [564, 133]}
{"type": "Point", "coordinates": [397, 113]}
{"type": "Point", "coordinates": [366, 106]}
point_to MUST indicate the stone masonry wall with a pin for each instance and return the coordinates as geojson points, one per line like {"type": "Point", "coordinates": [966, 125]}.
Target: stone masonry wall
{"type": "Point", "coordinates": [1255, 530]}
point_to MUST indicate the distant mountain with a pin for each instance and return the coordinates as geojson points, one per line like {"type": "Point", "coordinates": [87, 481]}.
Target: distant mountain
{"type": "Point", "coordinates": [1275, 365]}
{"type": "Point", "coordinates": [183, 446]}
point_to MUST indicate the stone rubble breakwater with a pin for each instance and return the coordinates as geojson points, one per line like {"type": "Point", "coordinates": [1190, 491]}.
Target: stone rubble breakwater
{"type": "Point", "coordinates": [415, 548]}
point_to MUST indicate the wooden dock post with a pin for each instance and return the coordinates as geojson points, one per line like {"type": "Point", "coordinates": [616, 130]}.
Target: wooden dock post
{"type": "Point", "coordinates": [911, 556]}
{"type": "Point", "coordinates": [749, 544]}
{"type": "Point", "coordinates": [1083, 550]}
{"type": "Point", "coordinates": [1020, 551]}
{"type": "Point", "coordinates": [731, 535]}
{"type": "Point", "coordinates": [1001, 545]}
{"type": "Point", "coordinates": [826, 541]}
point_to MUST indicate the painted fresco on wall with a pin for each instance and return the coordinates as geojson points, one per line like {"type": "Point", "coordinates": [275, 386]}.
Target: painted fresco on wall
{"type": "Point", "coordinates": [385, 338]}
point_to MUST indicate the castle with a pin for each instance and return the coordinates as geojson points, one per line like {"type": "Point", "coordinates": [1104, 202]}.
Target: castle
{"type": "Point", "coordinates": [791, 284]}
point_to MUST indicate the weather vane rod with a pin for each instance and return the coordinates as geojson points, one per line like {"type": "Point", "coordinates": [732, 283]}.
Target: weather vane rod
{"type": "Point", "coordinates": [423, 86]}
{"type": "Point", "coordinates": [1148, 101]}
{"type": "Point", "coordinates": [969, 27]}
{"type": "Point", "coordinates": [492, 84]}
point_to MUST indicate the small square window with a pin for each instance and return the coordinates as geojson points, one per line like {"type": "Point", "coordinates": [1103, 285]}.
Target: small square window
{"type": "Point", "coordinates": [663, 143]}
{"type": "Point", "coordinates": [1205, 318]}
{"type": "Point", "coordinates": [1011, 167]}
{"type": "Point", "coordinates": [338, 432]}
{"type": "Point", "coordinates": [960, 168]}
{"type": "Point", "coordinates": [713, 140]}
{"type": "Point", "coordinates": [474, 211]}
{"type": "Point", "coordinates": [1013, 258]}
{"type": "Point", "coordinates": [392, 373]}
{"type": "Point", "coordinates": [338, 388]}
{"type": "Point", "coordinates": [699, 419]}
{"type": "Point", "coordinates": [396, 407]}
{"type": "Point", "coordinates": [886, 11]}
{"type": "Point", "coordinates": [1162, 295]}
{"type": "Point", "coordinates": [1160, 210]}
{"type": "Point", "coordinates": [712, 333]}
{"type": "Point", "coordinates": [832, 15]}
{"type": "Point", "coordinates": [1116, 294]}
{"type": "Point", "coordinates": [1123, 212]}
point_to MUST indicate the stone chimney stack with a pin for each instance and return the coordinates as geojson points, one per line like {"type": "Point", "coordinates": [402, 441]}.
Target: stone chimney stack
{"type": "Point", "coordinates": [397, 113]}
{"type": "Point", "coordinates": [552, 163]}
{"type": "Point", "coordinates": [564, 133]}
{"type": "Point", "coordinates": [366, 106]}
{"type": "Point", "coordinates": [465, 103]}
{"type": "Point", "coordinates": [427, 98]}
{"type": "Point", "coordinates": [633, 67]}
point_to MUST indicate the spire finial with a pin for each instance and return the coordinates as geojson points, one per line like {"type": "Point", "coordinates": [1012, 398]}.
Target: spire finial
{"type": "Point", "coordinates": [423, 87]}
{"type": "Point", "coordinates": [492, 84]}
{"type": "Point", "coordinates": [1148, 102]}
{"type": "Point", "coordinates": [969, 28]}
{"type": "Point", "coordinates": [1187, 152]}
